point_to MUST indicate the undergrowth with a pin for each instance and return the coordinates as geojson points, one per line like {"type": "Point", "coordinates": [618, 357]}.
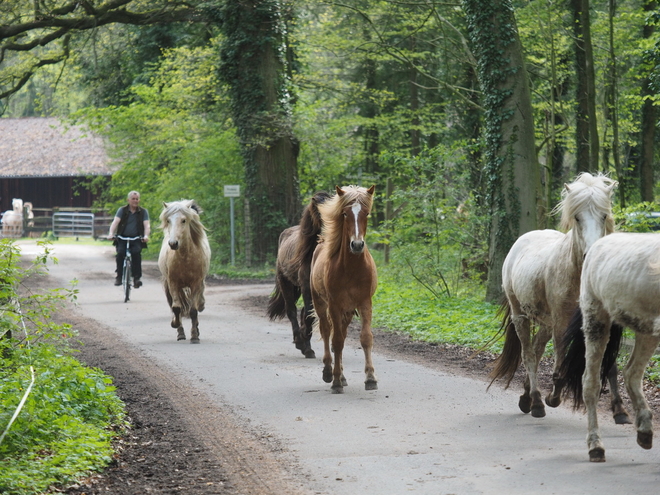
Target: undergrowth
{"type": "Point", "coordinates": [57, 417]}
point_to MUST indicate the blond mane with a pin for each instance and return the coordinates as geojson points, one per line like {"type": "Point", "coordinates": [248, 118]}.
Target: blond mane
{"type": "Point", "coordinates": [587, 191]}
{"type": "Point", "coordinates": [332, 214]}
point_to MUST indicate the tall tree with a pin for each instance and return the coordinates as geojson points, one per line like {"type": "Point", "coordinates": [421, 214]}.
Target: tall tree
{"type": "Point", "coordinates": [37, 34]}
{"type": "Point", "coordinates": [649, 112]}
{"type": "Point", "coordinates": [254, 66]}
{"type": "Point", "coordinates": [587, 141]}
{"type": "Point", "coordinates": [510, 156]}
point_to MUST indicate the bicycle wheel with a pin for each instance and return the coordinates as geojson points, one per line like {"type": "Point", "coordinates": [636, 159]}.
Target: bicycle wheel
{"type": "Point", "coordinates": [126, 279]}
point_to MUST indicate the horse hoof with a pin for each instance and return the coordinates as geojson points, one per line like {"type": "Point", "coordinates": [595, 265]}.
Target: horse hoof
{"type": "Point", "coordinates": [194, 341]}
{"type": "Point", "coordinates": [597, 455]}
{"type": "Point", "coordinates": [337, 390]}
{"type": "Point", "coordinates": [538, 411]}
{"type": "Point", "coordinates": [371, 385]}
{"type": "Point", "coordinates": [552, 401]}
{"type": "Point", "coordinates": [622, 419]}
{"type": "Point", "coordinates": [525, 404]}
{"type": "Point", "coordinates": [327, 376]}
{"type": "Point", "coordinates": [344, 383]}
{"type": "Point", "coordinates": [645, 439]}
{"type": "Point", "coordinates": [309, 353]}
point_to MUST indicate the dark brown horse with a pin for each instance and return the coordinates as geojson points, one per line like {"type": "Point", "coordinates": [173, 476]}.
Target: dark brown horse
{"type": "Point", "coordinates": [343, 280]}
{"type": "Point", "coordinates": [294, 258]}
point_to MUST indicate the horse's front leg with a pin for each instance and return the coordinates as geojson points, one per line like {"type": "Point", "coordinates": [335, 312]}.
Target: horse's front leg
{"type": "Point", "coordinates": [338, 338]}
{"type": "Point", "coordinates": [325, 329]}
{"type": "Point", "coordinates": [175, 305]}
{"type": "Point", "coordinates": [596, 337]}
{"type": "Point", "coordinates": [633, 374]}
{"type": "Point", "coordinates": [367, 343]}
{"type": "Point", "coordinates": [531, 399]}
{"type": "Point", "coordinates": [194, 331]}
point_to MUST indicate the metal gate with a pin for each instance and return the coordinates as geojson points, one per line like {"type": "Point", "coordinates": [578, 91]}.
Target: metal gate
{"type": "Point", "coordinates": [70, 224]}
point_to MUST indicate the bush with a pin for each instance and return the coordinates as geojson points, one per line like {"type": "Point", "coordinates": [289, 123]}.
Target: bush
{"type": "Point", "coordinates": [58, 417]}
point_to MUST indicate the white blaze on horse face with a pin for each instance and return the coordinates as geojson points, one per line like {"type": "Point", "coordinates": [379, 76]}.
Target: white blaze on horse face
{"type": "Point", "coordinates": [592, 228]}
{"type": "Point", "coordinates": [356, 208]}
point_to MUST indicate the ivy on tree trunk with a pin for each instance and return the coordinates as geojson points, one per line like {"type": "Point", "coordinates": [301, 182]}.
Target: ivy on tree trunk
{"type": "Point", "coordinates": [512, 170]}
{"type": "Point", "coordinates": [255, 68]}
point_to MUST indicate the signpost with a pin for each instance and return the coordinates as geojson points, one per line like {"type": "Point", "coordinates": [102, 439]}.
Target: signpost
{"type": "Point", "coordinates": [232, 192]}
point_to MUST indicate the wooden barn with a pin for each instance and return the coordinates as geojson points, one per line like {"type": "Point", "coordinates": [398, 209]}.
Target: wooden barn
{"type": "Point", "coordinates": [49, 164]}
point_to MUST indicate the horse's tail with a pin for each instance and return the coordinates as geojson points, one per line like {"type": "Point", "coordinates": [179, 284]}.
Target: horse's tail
{"type": "Point", "coordinates": [506, 365]}
{"type": "Point", "coordinates": [611, 351]}
{"type": "Point", "coordinates": [277, 304]}
{"type": "Point", "coordinates": [574, 363]}
{"type": "Point", "coordinates": [186, 299]}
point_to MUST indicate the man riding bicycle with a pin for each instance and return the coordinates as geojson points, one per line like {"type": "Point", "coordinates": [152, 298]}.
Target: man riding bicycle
{"type": "Point", "coordinates": [131, 221]}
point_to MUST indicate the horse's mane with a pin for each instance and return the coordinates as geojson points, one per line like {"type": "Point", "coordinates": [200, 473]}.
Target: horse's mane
{"type": "Point", "coordinates": [310, 228]}
{"type": "Point", "coordinates": [586, 189]}
{"type": "Point", "coordinates": [332, 214]}
{"type": "Point", "coordinates": [191, 210]}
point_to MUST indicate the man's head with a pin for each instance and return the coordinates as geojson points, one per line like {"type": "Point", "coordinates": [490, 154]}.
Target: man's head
{"type": "Point", "coordinates": [133, 199]}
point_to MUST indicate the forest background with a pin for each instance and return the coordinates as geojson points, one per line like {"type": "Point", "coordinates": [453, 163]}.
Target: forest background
{"type": "Point", "coordinates": [468, 116]}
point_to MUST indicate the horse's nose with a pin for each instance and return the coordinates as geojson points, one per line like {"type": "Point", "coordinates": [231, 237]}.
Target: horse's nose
{"type": "Point", "coordinates": [174, 245]}
{"type": "Point", "coordinates": [357, 246]}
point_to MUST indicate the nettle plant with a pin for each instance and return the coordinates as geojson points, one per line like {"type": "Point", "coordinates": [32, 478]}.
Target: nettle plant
{"type": "Point", "coordinates": [57, 417]}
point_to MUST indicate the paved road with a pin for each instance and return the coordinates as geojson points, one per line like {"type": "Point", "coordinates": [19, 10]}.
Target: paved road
{"type": "Point", "coordinates": [422, 431]}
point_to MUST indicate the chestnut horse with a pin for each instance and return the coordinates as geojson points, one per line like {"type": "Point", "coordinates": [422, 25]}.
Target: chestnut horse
{"type": "Point", "coordinates": [343, 280]}
{"type": "Point", "coordinates": [294, 260]}
{"type": "Point", "coordinates": [541, 281]}
{"type": "Point", "coordinates": [184, 261]}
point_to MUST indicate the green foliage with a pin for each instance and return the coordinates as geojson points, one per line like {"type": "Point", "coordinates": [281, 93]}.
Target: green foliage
{"type": "Point", "coordinates": [402, 306]}
{"type": "Point", "coordinates": [70, 414]}
{"type": "Point", "coordinates": [436, 237]}
{"type": "Point", "coordinates": [636, 218]}
{"type": "Point", "coordinates": [174, 142]}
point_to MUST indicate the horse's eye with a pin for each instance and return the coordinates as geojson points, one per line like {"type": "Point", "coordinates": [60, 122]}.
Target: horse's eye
{"type": "Point", "coordinates": [183, 221]}
{"type": "Point", "coordinates": [577, 219]}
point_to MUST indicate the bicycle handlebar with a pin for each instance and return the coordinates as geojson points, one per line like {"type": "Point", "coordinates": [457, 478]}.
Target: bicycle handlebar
{"type": "Point", "coordinates": [128, 238]}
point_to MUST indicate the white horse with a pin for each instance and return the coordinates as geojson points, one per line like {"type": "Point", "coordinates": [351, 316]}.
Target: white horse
{"type": "Point", "coordinates": [12, 220]}
{"type": "Point", "coordinates": [620, 288]}
{"type": "Point", "coordinates": [184, 261]}
{"type": "Point", "coordinates": [541, 282]}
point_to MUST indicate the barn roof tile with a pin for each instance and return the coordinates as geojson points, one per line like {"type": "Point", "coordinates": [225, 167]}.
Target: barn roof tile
{"type": "Point", "coordinates": [44, 147]}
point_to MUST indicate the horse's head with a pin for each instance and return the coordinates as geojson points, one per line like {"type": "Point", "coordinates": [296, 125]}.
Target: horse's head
{"type": "Point", "coordinates": [180, 223]}
{"type": "Point", "coordinates": [587, 209]}
{"type": "Point", "coordinates": [356, 209]}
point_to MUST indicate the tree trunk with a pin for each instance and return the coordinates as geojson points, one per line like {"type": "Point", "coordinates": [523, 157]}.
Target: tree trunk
{"type": "Point", "coordinates": [648, 125]}
{"type": "Point", "coordinates": [586, 125]}
{"type": "Point", "coordinates": [255, 68]}
{"type": "Point", "coordinates": [511, 164]}
{"type": "Point", "coordinates": [611, 113]}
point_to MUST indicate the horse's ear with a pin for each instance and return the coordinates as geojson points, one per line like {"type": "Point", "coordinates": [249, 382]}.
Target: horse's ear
{"type": "Point", "coordinates": [340, 191]}
{"type": "Point", "coordinates": [196, 207]}
{"type": "Point", "coordinates": [165, 205]}
{"type": "Point", "coordinates": [568, 189]}
{"type": "Point", "coordinates": [371, 189]}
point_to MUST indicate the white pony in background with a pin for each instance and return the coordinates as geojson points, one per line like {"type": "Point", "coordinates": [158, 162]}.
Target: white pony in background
{"type": "Point", "coordinates": [12, 220]}
{"type": "Point", "coordinates": [541, 282]}
{"type": "Point", "coordinates": [620, 288]}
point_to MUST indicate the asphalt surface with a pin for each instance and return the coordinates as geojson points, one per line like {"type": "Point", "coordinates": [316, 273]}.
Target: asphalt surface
{"type": "Point", "coordinates": [422, 431]}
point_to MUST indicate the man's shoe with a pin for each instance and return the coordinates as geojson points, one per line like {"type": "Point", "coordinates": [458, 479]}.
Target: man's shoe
{"type": "Point", "coordinates": [117, 280]}
{"type": "Point", "coordinates": [137, 284]}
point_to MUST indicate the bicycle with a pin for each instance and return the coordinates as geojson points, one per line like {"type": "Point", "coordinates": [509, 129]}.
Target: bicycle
{"type": "Point", "coordinates": [126, 274]}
